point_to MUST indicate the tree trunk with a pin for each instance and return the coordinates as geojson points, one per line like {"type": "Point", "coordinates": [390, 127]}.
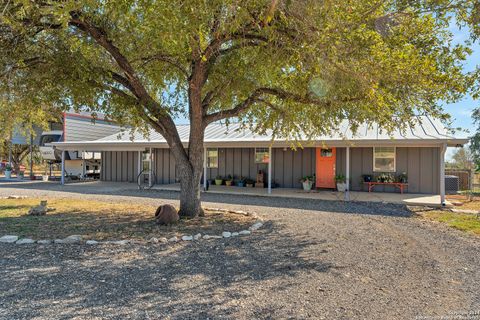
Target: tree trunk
{"type": "Point", "coordinates": [190, 203]}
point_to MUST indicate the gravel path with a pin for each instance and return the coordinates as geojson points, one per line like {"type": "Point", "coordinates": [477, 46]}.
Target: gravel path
{"type": "Point", "coordinates": [312, 260]}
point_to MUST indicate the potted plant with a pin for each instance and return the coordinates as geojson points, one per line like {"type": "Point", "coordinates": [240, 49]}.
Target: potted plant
{"type": "Point", "coordinates": [241, 182]}
{"type": "Point", "coordinates": [341, 181]}
{"type": "Point", "coordinates": [385, 178]}
{"type": "Point", "coordinates": [402, 177]}
{"type": "Point", "coordinates": [229, 181]}
{"type": "Point", "coordinates": [8, 171]}
{"type": "Point", "coordinates": [45, 174]}
{"type": "Point", "coordinates": [250, 183]}
{"type": "Point", "coordinates": [367, 178]}
{"type": "Point", "coordinates": [307, 183]}
{"type": "Point", "coordinates": [218, 180]}
{"type": "Point", "coordinates": [21, 174]}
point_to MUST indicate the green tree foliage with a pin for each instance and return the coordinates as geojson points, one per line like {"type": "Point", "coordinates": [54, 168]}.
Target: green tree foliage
{"type": "Point", "coordinates": [462, 159]}
{"type": "Point", "coordinates": [290, 66]}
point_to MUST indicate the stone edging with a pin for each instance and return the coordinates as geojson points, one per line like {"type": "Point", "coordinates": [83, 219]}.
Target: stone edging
{"type": "Point", "coordinates": [77, 239]}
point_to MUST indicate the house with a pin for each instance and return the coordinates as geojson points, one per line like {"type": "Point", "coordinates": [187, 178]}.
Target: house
{"type": "Point", "coordinates": [419, 152]}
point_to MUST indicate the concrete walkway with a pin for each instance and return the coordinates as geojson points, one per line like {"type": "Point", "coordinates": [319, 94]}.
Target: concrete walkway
{"type": "Point", "coordinates": [90, 187]}
{"type": "Point", "coordinates": [411, 199]}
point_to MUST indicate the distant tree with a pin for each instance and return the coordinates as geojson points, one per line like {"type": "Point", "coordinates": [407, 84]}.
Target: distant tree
{"type": "Point", "coordinates": [293, 67]}
{"type": "Point", "coordinates": [462, 159]}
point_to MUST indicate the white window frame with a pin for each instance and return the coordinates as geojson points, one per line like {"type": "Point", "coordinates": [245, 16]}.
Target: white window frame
{"type": "Point", "coordinates": [394, 159]}
{"type": "Point", "coordinates": [208, 158]}
{"type": "Point", "coordinates": [266, 150]}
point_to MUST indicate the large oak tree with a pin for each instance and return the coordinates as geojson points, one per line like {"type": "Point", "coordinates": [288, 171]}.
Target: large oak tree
{"type": "Point", "coordinates": [295, 67]}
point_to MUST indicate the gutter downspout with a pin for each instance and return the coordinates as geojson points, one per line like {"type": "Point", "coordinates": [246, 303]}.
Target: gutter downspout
{"type": "Point", "coordinates": [443, 149]}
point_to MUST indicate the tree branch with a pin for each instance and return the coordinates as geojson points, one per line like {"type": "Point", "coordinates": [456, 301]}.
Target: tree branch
{"type": "Point", "coordinates": [168, 59]}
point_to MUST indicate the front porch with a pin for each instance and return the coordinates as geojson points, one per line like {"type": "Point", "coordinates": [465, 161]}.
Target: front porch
{"type": "Point", "coordinates": [411, 199]}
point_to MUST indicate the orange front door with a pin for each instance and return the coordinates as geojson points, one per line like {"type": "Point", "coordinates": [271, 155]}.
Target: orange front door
{"type": "Point", "coordinates": [326, 168]}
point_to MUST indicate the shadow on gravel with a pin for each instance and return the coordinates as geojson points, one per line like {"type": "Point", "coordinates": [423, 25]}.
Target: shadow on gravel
{"type": "Point", "coordinates": [353, 207]}
{"type": "Point", "coordinates": [183, 281]}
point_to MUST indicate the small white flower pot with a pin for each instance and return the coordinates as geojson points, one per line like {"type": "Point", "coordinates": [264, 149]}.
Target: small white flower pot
{"type": "Point", "coordinates": [341, 186]}
{"type": "Point", "coordinates": [307, 185]}
{"type": "Point", "coordinates": [45, 177]}
{"type": "Point", "coordinates": [8, 174]}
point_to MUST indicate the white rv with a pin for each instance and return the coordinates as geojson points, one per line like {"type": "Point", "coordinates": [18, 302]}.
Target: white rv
{"type": "Point", "coordinates": [77, 127]}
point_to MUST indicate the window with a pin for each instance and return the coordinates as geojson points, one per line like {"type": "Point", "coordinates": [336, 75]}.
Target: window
{"type": "Point", "coordinates": [384, 159]}
{"type": "Point", "coordinates": [212, 158]}
{"type": "Point", "coordinates": [261, 155]}
{"type": "Point", "coordinates": [326, 153]}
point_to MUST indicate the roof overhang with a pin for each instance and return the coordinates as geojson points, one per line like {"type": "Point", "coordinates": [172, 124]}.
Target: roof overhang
{"type": "Point", "coordinates": [142, 145]}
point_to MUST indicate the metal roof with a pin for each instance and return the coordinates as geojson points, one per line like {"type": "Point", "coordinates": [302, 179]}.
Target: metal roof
{"type": "Point", "coordinates": [426, 131]}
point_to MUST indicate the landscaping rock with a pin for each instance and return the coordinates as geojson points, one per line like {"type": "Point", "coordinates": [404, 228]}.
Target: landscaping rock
{"type": "Point", "coordinates": [16, 197]}
{"type": "Point", "coordinates": [245, 232]}
{"type": "Point", "coordinates": [44, 241]}
{"type": "Point", "coordinates": [59, 241]}
{"type": "Point", "coordinates": [235, 234]}
{"type": "Point", "coordinates": [9, 239]}
{"type": "Point", "coordinates": [73, 239]}
{"type": "Point", "coordinates": [25, 241]}
{"type": "Point", "coordinates": [173, 239]}
{"type": "Point", "coordinates": [226, 234]}
{"type": "Point", "coordinates": [91, 242]}
{"type": "Point", "coordinates": [153, 240]}
{"type": "Point", "coordinates": [197, 236]}
{"type": "Point", "coordinates": [166, 214]}
{"type": "Point", "coordinates": [120, 242]}
{"type": "Point", "coordinates": [163, 240]}
{"type": "Point", "coordinates": [187, 238]}
{"type": "Point", "coordinates": [256, 226]}
{"type": "Point", "coordinates": [39, 210]}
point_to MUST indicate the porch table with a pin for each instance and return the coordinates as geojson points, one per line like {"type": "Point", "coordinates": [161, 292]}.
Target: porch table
{"type": "Point", "coordinates": [399, 185]}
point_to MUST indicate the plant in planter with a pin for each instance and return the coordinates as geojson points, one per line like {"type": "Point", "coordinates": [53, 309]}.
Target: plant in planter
{"type": "Point", "coordinates": [250, 183]}
{"type": "Point", "coordinates": [229, 180]}
{"type": "Point", "coordinates": [307, 182]}
{"type": "Point", "coordinates": [218, 180]}
{"type": "Point", "coordinates": [8, 171]}
{"type": "Point", "coordinates": [341, 181]}
{"type": "Point", "coordinates": [45, 175]}
{"type": "Point", "coordinates": [241, 182]}
{"type": "Point", "coordinates": [21, 174]}
{"type": "Point", "coordinates": [385, 178]}
{"type": "Point", "coordinates": [402, 177]}
{"type": "Point", "coordinates": [367, 178]}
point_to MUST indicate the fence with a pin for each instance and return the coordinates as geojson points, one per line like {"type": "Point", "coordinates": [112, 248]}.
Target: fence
{"type": "Point", "coordinates": [464, 178]}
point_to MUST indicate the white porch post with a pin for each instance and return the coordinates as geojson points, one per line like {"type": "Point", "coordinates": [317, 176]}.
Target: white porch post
{"type": "Point", "coordinates": [442, 174]}
{"type": "Point", "coordinates": [150, 171]}
{"type": "Point", "coordinates": [269, 170]}
{"type": "Point", "coordinates": [62, 174]}
{"type": "Point", "coordinates": [84, 169]}
{"type": "Point", "coordinates": [204, 169]}
{"type": "Point", "coordinates": [139, 169]}
{"type": "Point", "coordinates": [347, 174]}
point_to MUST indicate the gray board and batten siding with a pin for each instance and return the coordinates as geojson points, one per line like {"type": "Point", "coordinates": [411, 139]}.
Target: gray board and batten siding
{"type": "Point", "coordinates": [288, 166]}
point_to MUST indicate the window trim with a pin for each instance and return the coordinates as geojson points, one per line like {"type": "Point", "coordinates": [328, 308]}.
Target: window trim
{"type": "Point", "coordinates": [208, 158]}
{"type": "Point", "coordinates": [255, 155]}
{"type": "Point", "coordinates": [394, 159]}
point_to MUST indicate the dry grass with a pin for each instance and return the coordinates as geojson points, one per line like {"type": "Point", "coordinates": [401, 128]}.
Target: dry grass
{"type": "Point", "coordinates": [102, 220]}
{"type": "Point", "coordinates": [465, 202]}
{"type": "Point", "coordinates": [462, 221]}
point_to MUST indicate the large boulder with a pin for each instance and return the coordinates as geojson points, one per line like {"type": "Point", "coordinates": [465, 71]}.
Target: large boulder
{"type": "Point", "coordinates": [166, 214]}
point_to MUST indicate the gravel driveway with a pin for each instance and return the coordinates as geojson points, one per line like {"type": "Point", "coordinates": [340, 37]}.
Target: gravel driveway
{"type": "Point", "coordinates": [312, 260]}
